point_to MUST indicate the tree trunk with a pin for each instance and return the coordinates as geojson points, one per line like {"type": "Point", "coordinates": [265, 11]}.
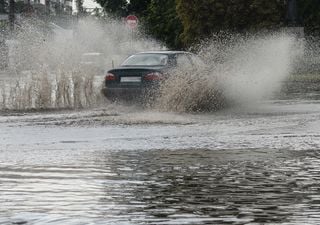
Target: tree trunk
{"type": "Point", "coordinates": [11, 14]}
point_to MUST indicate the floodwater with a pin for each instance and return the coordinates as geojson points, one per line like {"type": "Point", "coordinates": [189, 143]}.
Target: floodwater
{"type": "Point", "coordinates": [256, 164]}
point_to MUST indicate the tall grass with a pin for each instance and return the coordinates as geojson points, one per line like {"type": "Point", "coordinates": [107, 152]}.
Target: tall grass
{"type": "Point", "coordinates": [41, 90]}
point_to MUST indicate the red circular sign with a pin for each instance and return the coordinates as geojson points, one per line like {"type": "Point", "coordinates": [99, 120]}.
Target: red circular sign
{"type": "Point", "coordinates": [132, 21]}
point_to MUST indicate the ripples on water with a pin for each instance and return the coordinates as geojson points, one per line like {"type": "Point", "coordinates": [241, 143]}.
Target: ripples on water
{"type": "Point", "coordinates": [165, 187]}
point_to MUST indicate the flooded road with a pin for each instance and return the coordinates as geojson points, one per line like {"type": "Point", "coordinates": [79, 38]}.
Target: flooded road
{"type": "Point", "coordinates": [124, 165]}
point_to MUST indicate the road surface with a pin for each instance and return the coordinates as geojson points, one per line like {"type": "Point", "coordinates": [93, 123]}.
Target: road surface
{"type": "Point", "coordinates": [256, 164]}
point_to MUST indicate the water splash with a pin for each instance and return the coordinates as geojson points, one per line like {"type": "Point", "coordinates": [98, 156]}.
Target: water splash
{"type": "Point", "coordinates": [240, 70]}
{"type": "Point", "coordinates": [190, 91]}
{"type": "Point", "coordinates": [64, 68]}
{"type": "Point", "coordinates": [255, 69]}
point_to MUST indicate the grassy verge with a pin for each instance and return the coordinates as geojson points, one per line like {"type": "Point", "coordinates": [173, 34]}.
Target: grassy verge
{"type": "Point", "coordinates": [305, 77]}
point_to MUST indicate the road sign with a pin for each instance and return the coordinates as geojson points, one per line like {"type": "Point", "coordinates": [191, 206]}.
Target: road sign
{"type": "Point", "coordinates": [132, 21]}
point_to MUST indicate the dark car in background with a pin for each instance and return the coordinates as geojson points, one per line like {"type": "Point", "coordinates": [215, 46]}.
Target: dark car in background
{"type": "Point", "coordinates": [140, 74]}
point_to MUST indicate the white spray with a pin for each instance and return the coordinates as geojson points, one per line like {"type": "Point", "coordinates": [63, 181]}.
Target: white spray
{"type": "Point", "coordinates": [240, 70]}
{"type": "Point", "coordinates": [55, 64]}
{"type": "Point", "coordinates": [256, 69]}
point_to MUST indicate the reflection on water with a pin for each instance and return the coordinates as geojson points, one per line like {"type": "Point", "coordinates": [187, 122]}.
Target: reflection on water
{"type": "Point", "coordinates": [165, 187]}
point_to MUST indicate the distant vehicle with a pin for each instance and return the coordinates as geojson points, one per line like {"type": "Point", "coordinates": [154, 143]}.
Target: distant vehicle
{"type": "Point", "coordinates": [140, 74]}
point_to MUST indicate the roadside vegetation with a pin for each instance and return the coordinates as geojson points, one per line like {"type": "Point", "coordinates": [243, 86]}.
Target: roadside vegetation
{"type": "Point", "coordinates": [184, 24]}
{"type": "Point", "coordinates": [305, 77]}
{"type": "Point", "coordinates": [181, 23]}
{"type": "Point", "coordinates": [173, 24]}
{"type": "Point", "coordinates": [42, 91]}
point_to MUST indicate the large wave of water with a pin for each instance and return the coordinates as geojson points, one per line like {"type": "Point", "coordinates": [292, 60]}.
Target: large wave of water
{"type": "Point", "coordinates": [238, 68]}
{"type": "Point", "coordinates": [48, 68]}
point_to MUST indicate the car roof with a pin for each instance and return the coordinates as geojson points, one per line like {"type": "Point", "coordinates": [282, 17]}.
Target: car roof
{"type": "Point", "coordinates": [163, 52]}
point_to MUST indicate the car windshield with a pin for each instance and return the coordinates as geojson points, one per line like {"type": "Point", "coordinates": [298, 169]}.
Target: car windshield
{"type": "Point", "coordinates": [146, 60]}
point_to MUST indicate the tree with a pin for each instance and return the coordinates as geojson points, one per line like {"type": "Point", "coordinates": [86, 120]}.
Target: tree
{"type": "Point", "coordinates": [158, 17]}
{"type": "Point", "coordinates": [309, 13]}
{"type": "Point", "coordinates": [117, 8]}
{"type": "Point", "coordinates": [3, 6]}
{"type": "Point", "coordinates": [79, 4]}
{"type": "Point", "coordinates": [200, 18]}
{"type": "Point", "coordinates": [11, 14]}
{"type": "Point", "coordinates": [267, 14]}
{"type": "Point", "coordinates": [138, 7]}
{"type": "Point", "coordinates": [163, 23]}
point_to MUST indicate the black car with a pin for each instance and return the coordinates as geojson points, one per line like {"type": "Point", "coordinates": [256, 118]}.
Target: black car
{"type": "Point", "coordinates": [140, 74]}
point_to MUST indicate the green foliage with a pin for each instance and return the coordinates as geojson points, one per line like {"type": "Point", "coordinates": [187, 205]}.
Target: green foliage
{"type": "Point", "coordinates": [138, 7]}
{"type": "Point", "coordinates": [163, 23]}
{"type": "Point", "coordinates": [309, 11]}
{"type": "Point", "coordinates": [115, 8]}
{"type": "Point", "coordinates": [158, 17]}
{"type": "Point", "coordinates": [183, 22]}
{"type": "Point", "coordinates": [268, 14]}
{"type": "Point", "coordinates": [20, 7]}
{"type": "Point", "coordinates": [200, 18]}
{"type": "Point", "coordinates": [3, 6]}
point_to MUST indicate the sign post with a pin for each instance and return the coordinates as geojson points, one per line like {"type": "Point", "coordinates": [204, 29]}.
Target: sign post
{"type": "Point", "coordinates": [132, 22]}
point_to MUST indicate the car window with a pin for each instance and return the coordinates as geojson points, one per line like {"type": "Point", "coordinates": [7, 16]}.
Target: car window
{"type": "Point", "coordinates": [146, 60]}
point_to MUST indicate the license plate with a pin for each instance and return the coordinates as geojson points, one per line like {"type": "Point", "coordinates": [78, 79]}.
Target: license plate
{"type": "Point", "coordinates": [130, 79]}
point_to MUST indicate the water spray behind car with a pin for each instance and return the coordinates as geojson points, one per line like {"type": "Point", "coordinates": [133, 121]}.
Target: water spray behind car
{"type": "Point", "coordinates": [240, 70]}
{"type": "Point", "coordinates": [56, 67]}
{"type": "Point", "coordinates": [53, 67]}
